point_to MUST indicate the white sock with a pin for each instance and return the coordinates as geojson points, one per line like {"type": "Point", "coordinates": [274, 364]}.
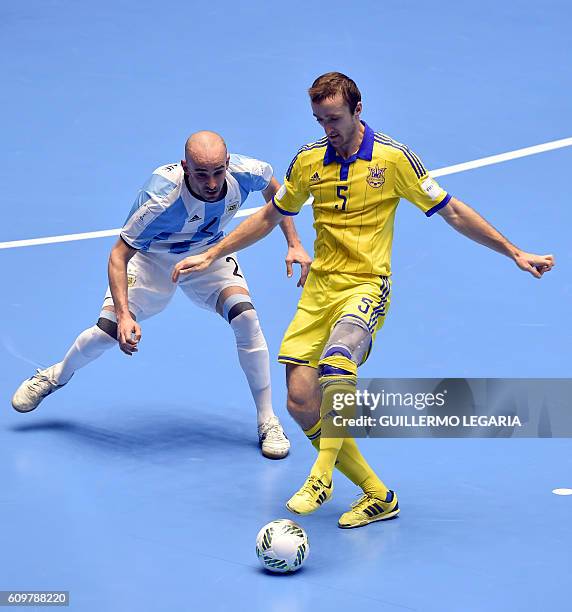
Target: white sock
{"type": "Point", "coordinates": [89, 345]}
{"type": "Point", "coordinates": [254, 360]}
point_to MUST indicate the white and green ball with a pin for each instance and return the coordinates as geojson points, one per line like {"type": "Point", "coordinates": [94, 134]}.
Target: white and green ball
{"type": "Point", "coordinates": [282, 546]}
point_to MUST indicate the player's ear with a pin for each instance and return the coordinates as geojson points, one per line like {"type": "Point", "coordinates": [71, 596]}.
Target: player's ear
{"type": "Point", "coordinates": [184, 166]}
{"type": "Point", "coordinates": [227, 160]}
{"type": "Point", "coordinates": [358, 109]}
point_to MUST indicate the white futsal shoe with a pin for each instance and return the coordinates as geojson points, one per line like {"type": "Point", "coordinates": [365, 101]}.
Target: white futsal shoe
{"type": "Point", "coordinates": [273, 441]}
{"type": "Point", "coordinates": [32, 391]}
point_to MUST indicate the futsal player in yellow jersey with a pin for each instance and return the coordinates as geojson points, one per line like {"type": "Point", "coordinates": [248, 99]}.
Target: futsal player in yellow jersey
{"type": "Point", "coordinates": [356, 177]}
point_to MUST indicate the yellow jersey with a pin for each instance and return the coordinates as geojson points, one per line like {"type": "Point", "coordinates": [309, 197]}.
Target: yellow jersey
{"type": "Point", "coordinates": [355, 199]}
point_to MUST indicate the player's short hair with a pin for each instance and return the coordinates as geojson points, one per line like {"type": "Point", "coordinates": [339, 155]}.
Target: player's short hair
{"type": "Point", "coordinates": [329, 84]}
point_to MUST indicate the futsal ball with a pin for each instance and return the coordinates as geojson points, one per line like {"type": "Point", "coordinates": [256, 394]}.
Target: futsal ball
{"type": "Point", "coordinates": [282, 546]}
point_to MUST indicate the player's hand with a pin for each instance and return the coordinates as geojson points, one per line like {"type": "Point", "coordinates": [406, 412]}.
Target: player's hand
{"type": "Point", "coordinates": [128, 335]}
{"type": "Point", "coordinates": [194, 263]}
{"type": "Point", "coordinates": [297, 254]}
{"type": "Point", "coordinates": [537, 265]}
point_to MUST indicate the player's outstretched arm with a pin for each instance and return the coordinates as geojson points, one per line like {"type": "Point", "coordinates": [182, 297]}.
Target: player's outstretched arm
{"type": "Point", "coordinates": [469, 223]}
{"type": "Point", "coordinates": [248, 232]}
{"type": "Point", "coordinates": [128, 330]}
{"type": "Point", "coordinates": [296, 251]}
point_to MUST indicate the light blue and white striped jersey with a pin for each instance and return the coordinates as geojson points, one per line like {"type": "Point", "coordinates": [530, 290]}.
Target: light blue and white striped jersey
{"type": "Point", "coordinates": [167, 218]}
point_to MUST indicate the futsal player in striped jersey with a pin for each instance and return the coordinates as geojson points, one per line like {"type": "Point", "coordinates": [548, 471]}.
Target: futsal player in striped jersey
{"type": "Point", "coordinates": [357, 177]}
{"type": "Point", "coordinates": [183, 208]}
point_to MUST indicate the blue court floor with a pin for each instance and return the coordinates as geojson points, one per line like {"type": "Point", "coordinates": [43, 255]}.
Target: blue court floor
{"type": "Point", "coordinates": [139, 487]}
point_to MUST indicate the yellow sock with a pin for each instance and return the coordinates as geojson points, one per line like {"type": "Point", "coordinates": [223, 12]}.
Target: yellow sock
{"type": "Point", "coordinates": [351, 463]}
{"type": "Point", "coordinates": [337, 375]}
{"type": "Point", "coordinates": [358, 470]}
{"type": "Point", "coordinates": [329, 445]}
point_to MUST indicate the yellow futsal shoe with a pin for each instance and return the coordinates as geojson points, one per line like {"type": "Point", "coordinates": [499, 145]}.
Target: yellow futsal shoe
{"type": "Point", "coordinates": [310, 497]}
{"type": "Point", "coordinates": [368, 509]}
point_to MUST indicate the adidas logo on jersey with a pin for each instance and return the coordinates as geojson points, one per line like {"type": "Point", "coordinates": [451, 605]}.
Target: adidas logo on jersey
{"type": "Point", "coordinates": [315, 177]}
{"type": "Point", "coordinates": [195, 218]}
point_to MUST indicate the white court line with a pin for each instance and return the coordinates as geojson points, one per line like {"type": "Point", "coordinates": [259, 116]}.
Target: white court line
{"type": "Point", "coordinates": [470, 165]}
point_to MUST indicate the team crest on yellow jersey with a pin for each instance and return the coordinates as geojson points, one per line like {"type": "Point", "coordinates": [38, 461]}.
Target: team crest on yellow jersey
{"type": "Point", "coordinates": [376, 176]}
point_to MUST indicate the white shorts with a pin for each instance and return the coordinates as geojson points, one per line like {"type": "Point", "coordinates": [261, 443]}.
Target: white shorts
{"type": "Point", "coordinates": [150, 288]}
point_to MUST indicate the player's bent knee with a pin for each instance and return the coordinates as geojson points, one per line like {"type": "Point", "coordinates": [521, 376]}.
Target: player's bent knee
{"type": "Point", "coordinates": [243, 318]}
{"type": "Point", "coordinates": [107, 322]}
{"type": "Point", "coordinates": [297, 403]}
{"type": "Point", "coordinates": [247, 331]}
{"type": "Point", "coordinates": [346, 348]}
{"type": "Point", "coordinates": [303, 409]}
{"type": "Point", "coordinates": [302, 399]}
{"type": "Point", "coordinates": [302, 383]}
{"type": "Point", "coordinates": [235, 305]}
{"type": "Point", "coordinates": [350, 338]}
